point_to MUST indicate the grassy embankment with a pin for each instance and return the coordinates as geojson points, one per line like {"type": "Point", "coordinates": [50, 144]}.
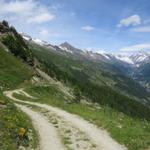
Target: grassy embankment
{"type": "Point", "coordinates": [12, 73]}
{"type": "Point", "coordinates": [11, 121]}
{"type": "Point", "coordinates": [132, 132]}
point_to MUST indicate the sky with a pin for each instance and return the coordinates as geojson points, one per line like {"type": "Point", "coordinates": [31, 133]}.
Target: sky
{"type": "Point", "coordinates": [98, 25]}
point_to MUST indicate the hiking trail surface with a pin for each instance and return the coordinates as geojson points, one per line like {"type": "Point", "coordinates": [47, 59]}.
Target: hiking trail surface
{"type": "Point", "coordinates": [61, 130]}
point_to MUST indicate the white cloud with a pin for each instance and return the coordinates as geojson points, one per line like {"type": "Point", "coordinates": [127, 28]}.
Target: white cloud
{"type": "Point", "coordinates": [16, 6]}
{"type": "Point", "coordinates": [141, 29]}
{"type": "Point", "coordinates": [137, 47]}
{"type": "Point", "coordinates": [44, 33]}
{"type": "Point", "coordinates": [88, 28]}
{"type": "Point", "coordinates": [29, 11]}
{"type": "Point", "coordinates": [44, 17]}
{"type": "Point", "coordinates": [130, 21]}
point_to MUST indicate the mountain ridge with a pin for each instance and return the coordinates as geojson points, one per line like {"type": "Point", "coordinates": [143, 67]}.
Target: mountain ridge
{"type": "Point", "coordinates": [136, 59]}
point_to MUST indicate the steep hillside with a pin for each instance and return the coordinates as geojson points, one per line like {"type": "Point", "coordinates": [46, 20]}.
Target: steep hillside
{"type": "Point", "coordinates": [99, 72]}
{"type": "Point", "coordinates": [12, 70]}
{"type": "Point", "coordinates": [100, 82]}
{"type": "Point", "coordinates": [100, 92]}
{"type": "Point", "coordinates": [121, 127]}
{"type": "Point", "coordinates": [14, 42]}
{"type": "Point", "coordinates": [142, 74]}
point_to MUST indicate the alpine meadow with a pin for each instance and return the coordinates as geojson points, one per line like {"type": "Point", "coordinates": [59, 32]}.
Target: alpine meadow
{"type": "Point", "coordinates": [89, 93]}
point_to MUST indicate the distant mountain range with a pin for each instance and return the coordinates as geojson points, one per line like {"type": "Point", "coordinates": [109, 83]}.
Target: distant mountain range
{"type": "Point", "coordinates": [135, 65]}
{"type": "Point", "coordinates": [121, 64]}
{"type": "Point", "coordinates": [135, 59]}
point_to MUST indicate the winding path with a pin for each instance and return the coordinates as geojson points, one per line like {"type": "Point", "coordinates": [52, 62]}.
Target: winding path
{"type": "Point", "coordinates": [97, 136]}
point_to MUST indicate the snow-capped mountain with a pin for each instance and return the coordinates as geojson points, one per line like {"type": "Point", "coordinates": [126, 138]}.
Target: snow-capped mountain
{"type": "Point", "coordinates": [40, 42]}
{"type": "Point", "coordinates": [134, 65]}
{"type": "Point", "coordinates": [26, 37]}
{"type": "Point", "coordinates": [70, 49]}
{"type": "Point", "coordinates": [124, 58]}
{"type": "Point", "coordinates": [134, 59]}
{"type": "Point", "coordinates": [140, 57]}
{"type": "Point", "coordinates": [37, 41]}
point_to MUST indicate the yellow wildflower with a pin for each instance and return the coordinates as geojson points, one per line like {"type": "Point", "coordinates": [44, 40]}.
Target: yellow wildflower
{"type": "Point", "coordinates": [22, 132]}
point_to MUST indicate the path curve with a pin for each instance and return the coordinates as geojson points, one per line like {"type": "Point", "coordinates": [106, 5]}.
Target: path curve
{"type": "Point", "coordinates": [100, 137]}
{"type": "Point", "coordinates": [48, 137]}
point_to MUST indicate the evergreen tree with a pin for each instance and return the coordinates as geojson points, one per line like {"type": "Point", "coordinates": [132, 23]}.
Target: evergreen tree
{"type": "Point", "coordinates": [5, 23]}
{"type": "Point", "coordinates": [77, 95]}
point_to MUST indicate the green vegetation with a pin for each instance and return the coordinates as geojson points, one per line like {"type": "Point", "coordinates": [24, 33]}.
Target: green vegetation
{"type": "Point", "coordinates": [133, 133]}
{"type": "Point", "coordinates": [126, 119]}
{"type": "Point", "coordinates": [15, 43]}
{"type": "Point", "coordinates": [67, 67]}
{"type": "Point", "coordinates": [142, 74]}
{"type": "Point", "coordinates": [77, 95]}
{"type": "Point", "coordinates": [12, 71]}
{"type": "Point", "coordinates": [11, 120]}
{"type": "Point", "coordinates": [99, 82]}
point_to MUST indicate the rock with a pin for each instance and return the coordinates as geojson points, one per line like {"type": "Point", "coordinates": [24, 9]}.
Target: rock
{"type": "Point", "coordinates": [21, 148]}
{"type": "Point", "coordinates": [3, 104]}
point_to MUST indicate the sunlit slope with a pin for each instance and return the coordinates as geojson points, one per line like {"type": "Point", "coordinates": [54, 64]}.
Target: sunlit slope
{"type": "Point", "coordinates": [12, 70]}
{"type": "Point", "coordinates": [99, 82]}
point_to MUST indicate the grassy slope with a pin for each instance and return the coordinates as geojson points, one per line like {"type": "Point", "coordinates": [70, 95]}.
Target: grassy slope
{"type": "Point", "coordinates": [98, 73]}
{"type": "Point", "coordinates": [12, 71]}
{"type": "Point", "coordinates": [11, 120]}
{"type": "Point", "coordinates": [97, 81]}
{"type": "Point", "coordinates": [134, 133]}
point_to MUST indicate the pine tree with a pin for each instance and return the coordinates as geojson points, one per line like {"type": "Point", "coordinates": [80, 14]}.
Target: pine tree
{"type": "Point", "coordinates": [77, 95]}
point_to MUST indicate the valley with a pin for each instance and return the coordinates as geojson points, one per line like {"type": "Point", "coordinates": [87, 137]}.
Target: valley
{"type": "Point", "coordinates": [84, 100]}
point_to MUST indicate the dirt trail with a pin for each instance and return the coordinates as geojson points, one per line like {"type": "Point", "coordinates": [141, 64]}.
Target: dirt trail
{"type": "Point", "coordinates": [99, 137]}
{"type": "Point", "coordinates": [47, 133]}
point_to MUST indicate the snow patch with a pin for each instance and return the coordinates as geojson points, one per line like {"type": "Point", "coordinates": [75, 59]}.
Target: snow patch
{"type": "Point", "coordinates": [124, 58]}
{"type": "Point", "coordinates": [66, 49]}
{"type": "Point", "coordinates": [38, 41]}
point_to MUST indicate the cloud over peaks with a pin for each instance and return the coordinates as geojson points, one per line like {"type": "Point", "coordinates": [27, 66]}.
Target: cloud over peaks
{"type": "Point", "coordinates": [138, 47]}
{"type": "Point", "coordinates": [130, 21]}
{"type": "Point", "coordinates": [29, 11]}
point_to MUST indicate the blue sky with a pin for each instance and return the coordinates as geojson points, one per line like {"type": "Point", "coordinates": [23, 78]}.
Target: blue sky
{"type": "Point", "coordinates": [110, 25]}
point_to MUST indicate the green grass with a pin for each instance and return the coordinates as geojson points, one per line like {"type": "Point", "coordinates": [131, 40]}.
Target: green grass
{"type": "Point", "coordinates": [76, 68]}
{"type": "Point", "coordinates": [12, 71]}
{"type": "Point", "coordinates": [11, 120]}
{"type": "Point", "coordinates": [133, 133]}
{"type": "Point", "coordinates": [98, 81]}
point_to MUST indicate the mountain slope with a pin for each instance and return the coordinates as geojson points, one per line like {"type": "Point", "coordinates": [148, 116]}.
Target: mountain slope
{"type": "Point", "coordinates": [12, 71]}
{"type": "Point", "coordinates": [142, 74]}
{"type": "Point", "coordinates": [98, 72]}
{"type": "Point", "coordinates": [14, 42]}
{"type": "Point", "coordinates": [100, 82]}
{"type": "Point", "coordinates": [92, 82]}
